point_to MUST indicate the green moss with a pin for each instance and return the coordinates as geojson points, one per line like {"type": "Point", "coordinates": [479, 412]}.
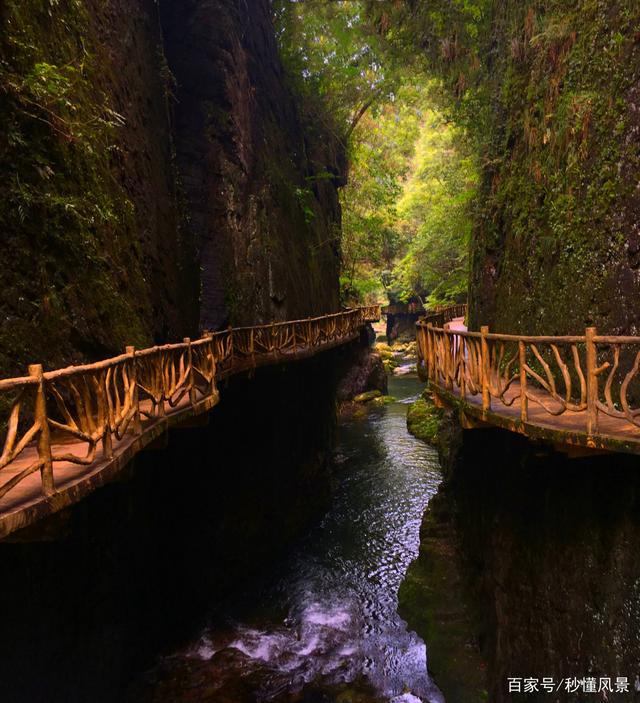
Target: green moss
{"type": "Point", "coordinates": [555, 184]}
{"type": "Point", "coordinates": [69, 225]}
{"type": "Point", "coordinates": [382, 400]}
{"type": "Point", "coordinates": [436, 605]}
{"type": "Point", "coordinates": [385, 354]}
{"type": "Point", "coordinates": [367, 396]}
{"type": "Point", "coordinates": [390, 365]}
{"type": "Point", "coordinates": [424, 420]}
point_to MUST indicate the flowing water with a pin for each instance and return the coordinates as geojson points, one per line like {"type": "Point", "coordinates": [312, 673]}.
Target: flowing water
{"type": "Point", "coordinates": [323, 625]}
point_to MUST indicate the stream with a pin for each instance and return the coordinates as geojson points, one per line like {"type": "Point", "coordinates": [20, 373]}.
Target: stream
{"type": "Point", "coordinates": [322, 624]}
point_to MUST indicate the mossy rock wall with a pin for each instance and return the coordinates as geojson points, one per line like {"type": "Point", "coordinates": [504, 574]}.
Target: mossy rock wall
{"type": "Point", "coordinates": [424, 420]}
{"type": "Point", "coordinates": [548, 92]}
{"type": "Point", "coordinates": [94, 248]}
{"type": "Point", "coordinates": [158, 177]}
{"type": "Point", "coordinates": [260, 174]}
{"type": "Point", "coordinates": [558, 243]}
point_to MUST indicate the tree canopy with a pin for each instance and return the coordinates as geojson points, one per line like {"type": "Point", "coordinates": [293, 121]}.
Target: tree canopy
{"type": "Point", "coordinates": [333, 53]}
{"type": "Point", "coordinates": [406, 207]}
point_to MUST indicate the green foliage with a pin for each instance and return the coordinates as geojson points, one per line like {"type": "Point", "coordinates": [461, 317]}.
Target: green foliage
{"type": "Point", "coordinates": [547, 92]}
{"type": "Point", "coordinates": [436, 214]}
{"type": "Point", "coordinates": [66, 218]}
{"type": "Point", "coordinates": [304, 197]}
{"type": "Point", "coordinates": [406, 209]}
{"type": "Point", "coordinates": [332, 54]}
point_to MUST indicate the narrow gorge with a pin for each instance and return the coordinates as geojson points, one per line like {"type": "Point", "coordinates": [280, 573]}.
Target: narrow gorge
{"type": "Point", "coordinates": [319, 366]}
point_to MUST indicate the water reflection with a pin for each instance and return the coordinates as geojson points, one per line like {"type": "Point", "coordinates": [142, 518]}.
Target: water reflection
{"type": "Point", "coordinates": [323, 626]}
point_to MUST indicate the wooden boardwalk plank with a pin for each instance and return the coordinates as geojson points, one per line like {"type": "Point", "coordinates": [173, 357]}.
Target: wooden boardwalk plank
{"type": "Point", "coordinates": [26, 502]}
{"type": "Point", "coordinates": [562, 427]}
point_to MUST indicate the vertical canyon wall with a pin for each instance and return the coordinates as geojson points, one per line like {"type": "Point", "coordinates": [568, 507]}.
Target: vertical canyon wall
{"type": "Point", "coordinates": [158, 177]}
{"type": "Point", "coordinates": [556, 241]}
{"type": "Point", "coordinates": [548, 92]}
{"type": "Point", "coordinates": [259, 177]}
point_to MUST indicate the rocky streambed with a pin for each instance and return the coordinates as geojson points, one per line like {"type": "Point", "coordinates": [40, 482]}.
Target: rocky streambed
{"type": "Point", "coordinates": [321, 625]}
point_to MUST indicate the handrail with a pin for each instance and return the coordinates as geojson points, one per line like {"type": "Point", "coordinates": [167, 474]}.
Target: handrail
{"type": "Point", "coordinates": [442, 314]}
{"type": "Point", "coordinates": [590, 377]}
{"type": "Point", "coordinates": [402, 309]}
{"type": "Point", "coordinates": [97, 404]}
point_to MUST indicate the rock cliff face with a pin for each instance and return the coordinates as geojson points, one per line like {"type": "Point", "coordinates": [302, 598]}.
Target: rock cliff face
{"type": "Point", "coordinates": [528, 568]}
{"type": "Point", "coordinates": [556, 245]}
{"type": "Point", "coordinates": [158, 177]}
{"type": "Point", "coordinates": [93, 238]}
{"type": "Point", "coordinates": [549, 550]}
{"type": "Point", "coordinates": [260, 181]}
{"type": "Point", "coordinates": [548, 93]}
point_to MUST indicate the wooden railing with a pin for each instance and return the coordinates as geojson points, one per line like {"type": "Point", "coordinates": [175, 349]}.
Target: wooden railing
{"type": "Point", "coordinates": [95, 405]}
{"type": "Point", "coordinates": [402, 309]}
{"type": "Point", "coordinates": [371, 313]}
{"type": "Point", "coordinates": [589, 378]}
{"type": "Point", "coordinates": [443, 314]}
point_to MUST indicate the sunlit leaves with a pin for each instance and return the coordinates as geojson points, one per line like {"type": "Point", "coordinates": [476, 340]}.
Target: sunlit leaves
{"type": "Point", "coordinates": [406, 206]}
{"type": "Point", "coordinates": [406, 222]}
{"type": "Point", "coordinates": [331, 50]}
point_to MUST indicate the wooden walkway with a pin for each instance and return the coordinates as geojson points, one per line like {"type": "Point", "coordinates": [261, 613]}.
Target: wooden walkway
{"type": "Point", "coordinates": [579, 393]}
{"type": "Point", "coordinates": [70, 431]}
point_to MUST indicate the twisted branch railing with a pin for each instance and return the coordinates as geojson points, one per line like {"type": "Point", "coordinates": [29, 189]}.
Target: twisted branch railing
{"type": "Point", "coordinates": [442, 314]}
{"type": "Point", "coordinates": [50, 414]}
{"type": "Point", "coordinates": [592, 375]}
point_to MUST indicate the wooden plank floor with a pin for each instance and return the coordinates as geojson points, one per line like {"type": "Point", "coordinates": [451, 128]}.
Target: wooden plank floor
{"type": "Point", "coordinates": [25, 504]}
{"type": "Point", "coordinates": [569, 428]}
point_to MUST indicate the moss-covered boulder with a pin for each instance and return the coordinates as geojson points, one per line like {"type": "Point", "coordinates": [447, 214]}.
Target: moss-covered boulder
{"type": "Point", "coordinates": [434, 601]}
{"type": "Point", "coordinates": [366, 397]}
{"type": "Point", "coordinates": [383, 347]}
{"type": "Point", "coordinates": [386, 354]}
{"type": "Point", "coordinates": [382, 400]}
{"type": "Point", "coordinates": [389, 365]}
{"type": "Point", "coordinates": [424, 420]}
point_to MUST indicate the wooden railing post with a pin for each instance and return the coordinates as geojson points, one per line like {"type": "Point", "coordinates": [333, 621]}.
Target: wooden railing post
{"type": "Point", "coordinates": [213, 364]}
{"type": "Point", "coordinates": [107, 437]}
{"type": "Point", "coordinates": [461, 366]}
{"type": "Point", "coordinates": [431, 357]}
{"type": "Point", "coordinates": [137, 427]}
{"type": "Point", "coordinates": [484, 350]}
{"type": "Point", "coordinates": [190, 384]}
{"type": "Point", "coordinates": [434, 355]}
{"type": "Point", "coordinates": [232, 355]}
{"type": "Point", "coordinates": [107, 443]}
{"type": "Point", "coordinates": [44, 436]}
{"type": "Point", "coordinates": [426, 349]}
{"type": "Point", "coordinates": [522, 362]}
{"type": "Point", "coordinates": [449, 361]}
{"type": "Point", "coordinates": [445, 358]}
{"type": "Point", "coordinates": [592, 381]}
{"type": "Point", "coordinates": [160, 378]}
